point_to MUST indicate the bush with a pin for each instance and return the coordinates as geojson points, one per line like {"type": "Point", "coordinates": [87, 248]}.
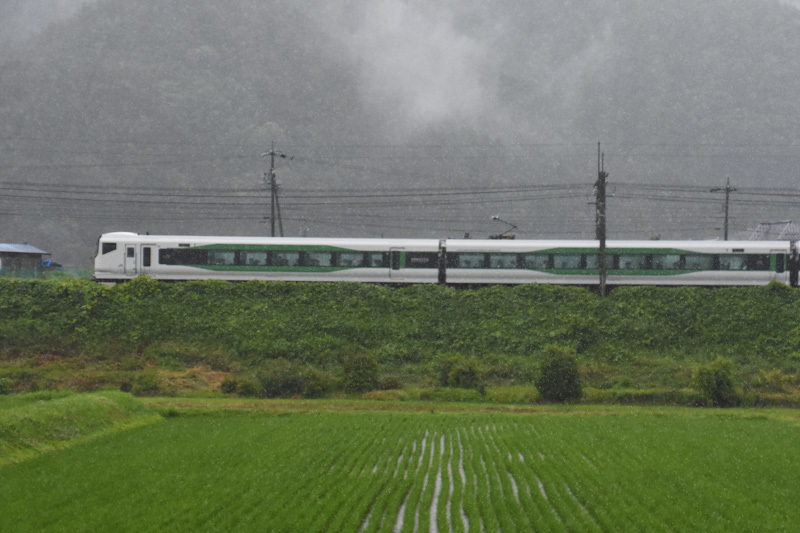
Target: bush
{"type": "Point", "coordinates": [279, 377]}
{"type": "Point", "coordinates": [461, 372]}
{"type": "Point", "coordinates": [360, 373]}
{"type": "Point", "coordinates": [248, 387]}
{"type": "Point", "coordinates": [560, 380]}
{"type": "Point", "coordinates": [317, 383]}
{"type": "Point", "coordinates": [390, 383]}
{"type": "Point", "coordinates": [147, 384]}
{"type": "Point", "coordinates": [5, 386]}
{"type": "Point", "coordinates": [228, 385]}
{"type": "Point", "coordinates": [714, 382]}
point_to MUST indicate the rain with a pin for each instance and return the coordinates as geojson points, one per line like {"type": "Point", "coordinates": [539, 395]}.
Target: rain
{"type": "Point", "coordinates": [398, 118]}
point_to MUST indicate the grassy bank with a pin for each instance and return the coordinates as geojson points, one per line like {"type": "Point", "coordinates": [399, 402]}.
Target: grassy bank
{"type": "Point", "coordinates": [31, 424]}
{"type": "Point", "coordinates": [186, 338]}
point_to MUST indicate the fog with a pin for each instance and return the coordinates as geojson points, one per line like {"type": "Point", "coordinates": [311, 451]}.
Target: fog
{"type": "Point", "coordinates": [403, 118]}
{"type": "Point", "coordinates": [23, 19]}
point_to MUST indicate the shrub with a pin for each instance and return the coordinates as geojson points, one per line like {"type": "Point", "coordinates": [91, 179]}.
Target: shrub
{"type": "Point", "coordinates": [560, 380]}
{"type": "Point", "coordinates": [248, 387]}
{"type": "Point", "coordinates": [147, 384]}
{"type": "Point", "coordinates": [360, 373]}
{"type": "Point", "coordinates": [317, 383]}
{"type": "Point", "coordinates": [461, 372]}
{"type": "Point", "coordinates": [228, 385]}
{"type": "Point", "coordinates": [774, 380]}
{"type": "Point", "coordinates": [279, 377]}
{"type": "Point", "coordinates": [465, 375]}
{"type": "Point", "coordinates": [390, 383]}
{"type": "Point", "coordinates": [5, 386]}
{"type": "Point", "coordinates": [714, 382]}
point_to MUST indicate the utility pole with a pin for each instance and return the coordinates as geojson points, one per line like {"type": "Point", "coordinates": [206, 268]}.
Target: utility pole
{"type": "Point", "coordinates": [600, 218]}
{"type": "Point", "coordinates": [728, 190]}
{"type": "Point", "coordinates": [272, 185]}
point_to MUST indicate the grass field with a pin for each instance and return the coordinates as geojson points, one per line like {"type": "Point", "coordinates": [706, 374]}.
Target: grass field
{"type": "Point", "coordinates": [341, 466]}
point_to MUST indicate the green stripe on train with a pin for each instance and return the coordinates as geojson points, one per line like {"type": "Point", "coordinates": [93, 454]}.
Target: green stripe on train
{"type": "Point", "coordinates": [623, 251]}
{"type": "Point", "coordinates": [243, 268]}
{"type": "Point", "coordinates": [270, 248]}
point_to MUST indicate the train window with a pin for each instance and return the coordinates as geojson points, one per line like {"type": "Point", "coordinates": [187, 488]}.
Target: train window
{"type": "Point", "coordinates": [285, 259]}
{"type": "Point", "coordinates": [189, 256]}
{"type": "Point", "coordinates": [109, 247]}
{"type": "Point", "coordinates": [633, 262]}
{"type": "Point", "coordinates": [502, 260]}
{"type": "Point", "coordinates": [316, 259]}
{"type": "Point", "coordinates": [131, 252]}
{"type": "Point", "coordinates": [351, 259]}
{"type": "Point", "coordinates": [221, 257]}
{"type": "Point", "coordinates": [666, 262]}
{"type": "Point", "coordinates": [471, 260]}
{"type": "Point", "coordinates": [567, 261]}
{"type": "Point", "coordinates": [699, 262]}
{"type": "Point", "coordinates": [538, 261]}
{"type": "Point", "coordinates": [422, 259]}
{"type": "Point", "coordinates": [254, 258]}
{"type": "Point", "coordinates": [733, 262]}
{"type": "Point", "coordinates": [780, 263]}
{"type": "Point", "coordinates": [377, 259]}
{"type": "Point", "coordinates": [758, 262]}
{"type": "Point", "coordinates": [146, 251]}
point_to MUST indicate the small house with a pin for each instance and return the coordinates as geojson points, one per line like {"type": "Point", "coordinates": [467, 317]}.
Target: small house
{"type": "Point", "coordinates": [20, 259]}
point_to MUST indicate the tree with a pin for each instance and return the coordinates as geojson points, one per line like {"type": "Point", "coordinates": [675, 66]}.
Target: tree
{"type": "Point", "coordinates": [560, 380]}
{"type": "Point", "coordinates": [360, 373]}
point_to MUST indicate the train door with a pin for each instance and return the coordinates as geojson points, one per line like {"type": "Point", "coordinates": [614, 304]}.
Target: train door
{"type": "Point", "coordinates": [396, 263]}
{"type": "Point", "coordinates": [781, 269]}
{"type": "Point", "coordinates": [148, 257]}
{"type": "Point", "coordinates": [130, 260]}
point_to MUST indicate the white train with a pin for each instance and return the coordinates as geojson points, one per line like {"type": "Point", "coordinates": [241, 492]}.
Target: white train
{"type": "Point", "coordinates": [123, 256]}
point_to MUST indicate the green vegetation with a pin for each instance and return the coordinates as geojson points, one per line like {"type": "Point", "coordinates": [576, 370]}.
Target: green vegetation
{"type": "Point", "coordinates": [34, 423]}
{"type": "Point", "coordinates": [293, 339]}
{"type": "Point", "coordinates": [291, 465]}
{"type": "Point", "coordinates": [560, 380]}
{"type": "Point", "coordinates": [360, 373]}
{"type": "Point", "coordinates": [715, 383]}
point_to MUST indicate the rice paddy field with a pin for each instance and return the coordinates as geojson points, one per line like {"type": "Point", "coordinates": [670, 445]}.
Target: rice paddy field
{"type": "Point", "coordinates": [623, 469]}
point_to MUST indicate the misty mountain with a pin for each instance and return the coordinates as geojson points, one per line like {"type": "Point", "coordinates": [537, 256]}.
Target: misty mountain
{"type": "Point", "coordinates": [150, 116]}
{"type": "Point", "coordinates": [22, 19]}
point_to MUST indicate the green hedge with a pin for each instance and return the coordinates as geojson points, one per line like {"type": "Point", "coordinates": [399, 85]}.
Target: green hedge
{"type": "Point", "coordinates": [321, 324]}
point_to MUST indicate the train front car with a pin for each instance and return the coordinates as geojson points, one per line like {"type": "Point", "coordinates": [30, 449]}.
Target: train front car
{"type": "Point", "coordinates": [701, 263]}
{"type": "Point", "coordinates": [192, 257]}
{"type": "Point", "coordinates": [113, 262]}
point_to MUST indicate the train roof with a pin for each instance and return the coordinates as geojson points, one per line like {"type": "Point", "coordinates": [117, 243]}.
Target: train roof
{"type": "Point", "coordinates": [707, 246]}
{"type": "Point", "coordinates": [199, 240]}
{"type": "Point", "coordinates": [459, 245]}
